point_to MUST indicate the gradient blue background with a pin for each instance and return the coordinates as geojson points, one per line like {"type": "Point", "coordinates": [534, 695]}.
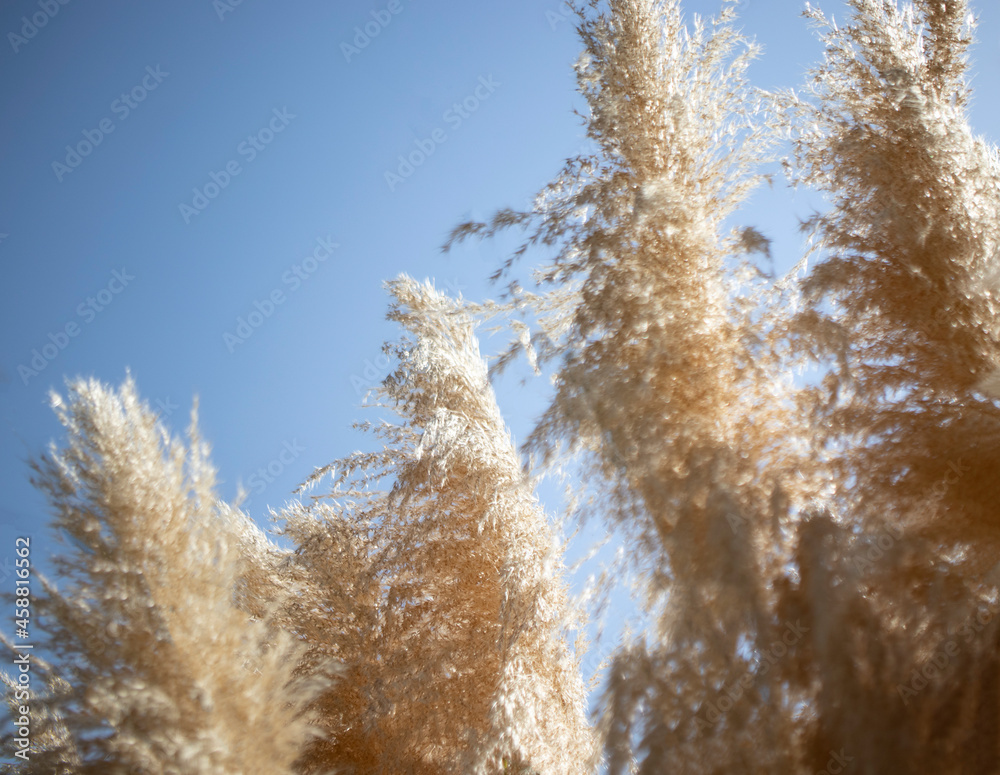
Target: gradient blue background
{"type": "Point", "coordinates": [294, 382]}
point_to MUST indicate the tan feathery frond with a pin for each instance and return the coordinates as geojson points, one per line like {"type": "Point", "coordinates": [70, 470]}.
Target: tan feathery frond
{"type": "Point", "coordinates": [910, 267]}
{"type": "Point", "coordinates": [456, 594]}
{"type": "Point", "coordinates": [903, 303]}
{"type": "Point", "coordinates": [663, 380]}
{"type": "Point", "coordinates": [41, 741]}
{"type": "Point", "coordinates": [167, 674]}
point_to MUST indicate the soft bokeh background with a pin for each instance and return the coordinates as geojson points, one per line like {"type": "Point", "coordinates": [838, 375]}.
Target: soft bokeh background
{"type": "Point", "coordinates": [282, 401]}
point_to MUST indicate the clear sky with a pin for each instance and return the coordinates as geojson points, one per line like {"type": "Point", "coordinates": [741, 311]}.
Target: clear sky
{"type": "Point", "coordinates": [170, 169]}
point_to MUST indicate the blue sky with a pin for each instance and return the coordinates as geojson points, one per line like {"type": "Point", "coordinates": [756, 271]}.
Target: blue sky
{"type": "Point", "coordinates": [229, 162]}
